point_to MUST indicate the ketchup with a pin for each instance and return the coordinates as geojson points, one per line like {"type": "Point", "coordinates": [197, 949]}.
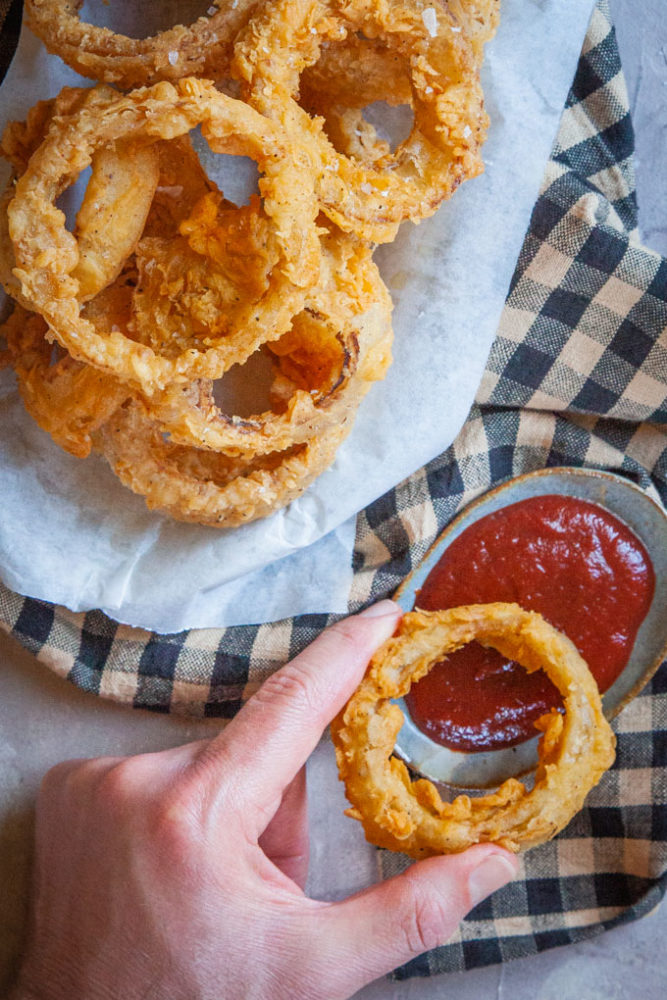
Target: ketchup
{"type": "Point", "coordinates": [574, 562]}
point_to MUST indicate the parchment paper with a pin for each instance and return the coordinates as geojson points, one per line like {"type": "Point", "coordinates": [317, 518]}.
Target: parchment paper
{"type": "Point", "coordinates": [71, 534]}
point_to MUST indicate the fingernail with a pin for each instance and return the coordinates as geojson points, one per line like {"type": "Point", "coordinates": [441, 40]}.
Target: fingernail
{"type": "Point", "coordinates": [380, 610]}
{"type": "Point", "coordinates": [495, 871]}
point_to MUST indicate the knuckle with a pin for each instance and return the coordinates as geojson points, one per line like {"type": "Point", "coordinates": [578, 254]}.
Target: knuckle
{"type": "Point", "coordinates": [345, 633]}
{"type": "Point", "coordinates": [73, 777]}
{"type": "Point", "coordinates": [172, 826]}
{"type": "Point", "coordinates": [426, 924]}
{"type": "Point", "coordinates": [57, 777]}
{"type": "Point", "coordinates": [290, 685]}
{"type": "Point", "coordinates": [116, 783]}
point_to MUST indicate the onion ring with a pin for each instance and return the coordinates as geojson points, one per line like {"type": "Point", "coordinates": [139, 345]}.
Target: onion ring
{"type": "Point", "coordinates": [21, 139]}
{"type": "Point", "coordinates": [183, 183]}
{"type": "Point", "coordinates": [200, 49]}
{"type": "Point", "coordinates": [480, 17]}
{"type": "Point", "coordinates": [67, 399]}
{"type": "Point", "coordinates": [285, 37]}
{"type": "Point", "coordinates": [19, 142]}
{"type": "Point", "coordinates": [343, 82]}
{"type": "Point", "coordinates": [411, 817]}
{"type": "Point", "coordinates": [229, 472]}
{"type": "Point", "coordinates": [206, 487]}
{"type": "Point", "coordinates": [337, 347]}
{"type": "Point", "coordinates": [117, 198]}
{"type": "Point", "coordinates": [46, 254]}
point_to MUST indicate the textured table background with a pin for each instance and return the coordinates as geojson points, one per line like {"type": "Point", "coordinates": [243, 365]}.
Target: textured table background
{"type": "Point", "coordinates": [43, 720]}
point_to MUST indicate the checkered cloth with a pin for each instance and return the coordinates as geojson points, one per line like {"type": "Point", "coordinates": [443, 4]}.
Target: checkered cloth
{"type": "Point", "coordinates": [577, 376]}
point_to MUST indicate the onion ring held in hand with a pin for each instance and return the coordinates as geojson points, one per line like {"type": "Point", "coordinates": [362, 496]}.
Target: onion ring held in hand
{"type": "Point", "coordinates": [575, 749]}
{"type": "Point", "coordinates": [47, 254]}
{"type": "Point", "coordinates": [200, 49]}
{"type": "Point", "coordinates": [286, 37]}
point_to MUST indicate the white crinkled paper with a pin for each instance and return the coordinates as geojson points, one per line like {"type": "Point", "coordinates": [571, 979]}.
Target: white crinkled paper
{"type": "Point", "coordinates": [71, 534]}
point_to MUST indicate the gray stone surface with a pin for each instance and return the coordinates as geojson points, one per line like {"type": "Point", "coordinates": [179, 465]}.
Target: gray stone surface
{"type": "Point", "coordinates": [43, 720]}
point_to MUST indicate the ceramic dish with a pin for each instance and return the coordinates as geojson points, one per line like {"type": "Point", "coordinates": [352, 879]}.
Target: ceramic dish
{"type": "Point", "coordinates": [648, 521]}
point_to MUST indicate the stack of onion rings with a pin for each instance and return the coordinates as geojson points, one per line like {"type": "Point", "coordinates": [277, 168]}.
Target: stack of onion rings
{"type": "Point", "coordinates": [126, 327]}
{"type": "Point", "coordinates": [410, 816]}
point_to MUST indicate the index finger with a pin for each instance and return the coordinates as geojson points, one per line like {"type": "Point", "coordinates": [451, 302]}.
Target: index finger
{"type": "Point", "coordinates": [263, 747]}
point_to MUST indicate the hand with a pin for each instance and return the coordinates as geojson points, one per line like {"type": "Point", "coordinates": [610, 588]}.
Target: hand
{"type": "Point", "coordinates": [179, 875]}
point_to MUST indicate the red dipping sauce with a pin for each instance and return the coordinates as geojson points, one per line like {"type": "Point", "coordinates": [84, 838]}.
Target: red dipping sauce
{"type": "Point", "coordinates": [584, 570]}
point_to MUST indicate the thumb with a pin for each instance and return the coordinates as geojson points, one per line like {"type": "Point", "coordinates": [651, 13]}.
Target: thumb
{"type": "Point", "coordinates": [371, 933]}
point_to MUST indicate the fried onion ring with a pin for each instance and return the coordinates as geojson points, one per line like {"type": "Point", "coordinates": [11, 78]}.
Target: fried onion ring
{"type": "Point", "coordinates": [200, 49]}
{"type": "Point", "coordinates": [285, 37]}
{"type": "Point", "coordinates": [68, 400]}
{"type": "Point", "coordinates": [47, 255]}
{"type": "Point", "coordinates": [207, 487]}
{"type": "Point", "coordinates": [20, 139]}
{"type": "Point", "coordinates": [410, 816]}
{"type": "Point", "coordinates": [346, 79]}
{"type": "Point", "coordinates": [336, 348]}
{"type": "Point", "coordinates": [164, 285]}
{"type": "Point", "coordinates": [116, 201]}
{"type": "Point", "coordinates": [480, 18]}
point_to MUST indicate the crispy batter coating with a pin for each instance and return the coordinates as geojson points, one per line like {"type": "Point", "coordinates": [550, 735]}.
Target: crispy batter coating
{"type": "Point", "coordinates": [69, 400]}
{"type": "Point", "coordinates": [372, 195]}
{"type": "Point", "coordinates": [410, 816]}
{"type": "Point", "coordinates": [207, 487]}
{"type": "Point", "coordinates": [180, 451]}
{"type": "Point", "coordinates": [47, 255]}
{"type": "Point", "coordinates": [117, 193]}
{"type": "Point", "coordinates": [336, 348]}
{"type": "Point", "coordinates": [202, 48]}
{"type": "Point", "coordinates": [118, 199]}
{"type": "Point", "coordinates": [188, 458]}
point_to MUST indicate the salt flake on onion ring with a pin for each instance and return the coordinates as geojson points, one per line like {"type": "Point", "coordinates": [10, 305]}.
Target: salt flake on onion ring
{"type": "Point", "coordinates": [410, 816]}
{"type": "Point", "coordinates": [286, 37]}
{"type": "Point", "coordinates": [199, 49]}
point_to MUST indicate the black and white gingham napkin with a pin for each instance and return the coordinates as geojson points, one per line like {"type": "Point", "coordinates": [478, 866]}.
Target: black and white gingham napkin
{"type": "Point", "coordinates": [577, 376]}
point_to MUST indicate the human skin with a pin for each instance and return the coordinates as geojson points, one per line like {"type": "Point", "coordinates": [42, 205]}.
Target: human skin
{"type": "Point", "coordinates": [179, 875]}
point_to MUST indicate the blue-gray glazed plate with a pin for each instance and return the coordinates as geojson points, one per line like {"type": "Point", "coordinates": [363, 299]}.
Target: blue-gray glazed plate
{"type": "Point", "coordinates": [639, 512]}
